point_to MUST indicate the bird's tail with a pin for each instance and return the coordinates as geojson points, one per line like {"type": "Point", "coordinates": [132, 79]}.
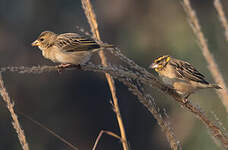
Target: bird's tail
{"type": "Point", "coordinates": [214, 86]}
{"type": "Point", "coordinates": [104, 46]}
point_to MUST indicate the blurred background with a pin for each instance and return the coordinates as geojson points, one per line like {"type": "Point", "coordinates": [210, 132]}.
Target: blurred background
{"type": "Point", "coordinates": [76, 104]}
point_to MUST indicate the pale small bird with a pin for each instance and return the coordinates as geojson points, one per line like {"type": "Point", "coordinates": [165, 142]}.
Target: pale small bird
{"type": "Point", "coordinates": [180, 75]}
{"type": "Point", "coordinates": [67, 48]}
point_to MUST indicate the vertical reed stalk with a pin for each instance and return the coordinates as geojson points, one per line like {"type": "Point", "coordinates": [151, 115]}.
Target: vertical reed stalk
{"type": "Point", "coordinates": [222, 16]}
{"type": "Point", "coordinates": [193, 20]}
{"type": "Point", "coordinates": [15, 122]}
{"type": "Point", "coordinates": [94, 28]}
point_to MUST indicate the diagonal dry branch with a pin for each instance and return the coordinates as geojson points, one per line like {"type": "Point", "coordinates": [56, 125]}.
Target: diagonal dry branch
{"type": "Point", "coordinates": [15, 122]}
{"type": "Point", "coordinates": [222, 16]}
{"type": "Point", "coordinates": [193, 20]}
{"type": "Point", "coordinates": [91, 17]}
{"type": "Point", "coordinates": [143, 76]}
{"type": "Point", "coordinates": [150, 104]}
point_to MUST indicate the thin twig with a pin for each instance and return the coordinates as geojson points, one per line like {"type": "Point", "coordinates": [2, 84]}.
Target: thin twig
{"type": "Point", "coordinates": [91, 17]}
{"type": "Point", "coordinates": [49, 130]}
{"type": "Point", "coordinates": [193, 20]}
{"type": "Point", "coordinates": [100, 135]}
{"type": "Point", "coordinates": [15, 122]}
{"type": "Point", "coordinates": [222, 16]}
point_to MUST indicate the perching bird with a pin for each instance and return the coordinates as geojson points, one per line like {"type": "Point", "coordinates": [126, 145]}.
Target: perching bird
{"type": "Point", "coordinates": [67, 49]}
{"type": "Point", "coordinates": [180, 75]}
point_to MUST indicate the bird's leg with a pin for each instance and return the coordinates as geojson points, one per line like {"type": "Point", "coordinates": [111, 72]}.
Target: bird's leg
{"type": "Point", "coordinates": [64, 66]}
{"type": "Point", "coordinates": [185, 100]}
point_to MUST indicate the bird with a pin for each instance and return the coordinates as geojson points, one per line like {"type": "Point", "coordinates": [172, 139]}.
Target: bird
{"type": "Point", "coordinates": [180, 76]}
{"type": "Point", "coordinates": [67, 48]}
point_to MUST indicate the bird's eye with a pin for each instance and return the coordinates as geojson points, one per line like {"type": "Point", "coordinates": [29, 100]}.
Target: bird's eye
{"type": "Point", "coordinates": [42, 39]}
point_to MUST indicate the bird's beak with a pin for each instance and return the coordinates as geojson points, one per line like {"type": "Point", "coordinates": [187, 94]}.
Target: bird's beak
{"type": "Point", "coordinates": [153, 66]}
{"type": "Point", "coordinates": [36, 43]}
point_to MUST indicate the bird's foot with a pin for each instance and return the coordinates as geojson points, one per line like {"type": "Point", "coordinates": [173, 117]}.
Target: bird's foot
{"type": "Point", "coordinates": [185, 100]}
{"type": "Point", "coordinates": [61, 67]}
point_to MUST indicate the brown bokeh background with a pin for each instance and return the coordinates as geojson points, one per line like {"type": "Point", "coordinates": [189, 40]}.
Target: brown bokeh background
{"type": "Point", "coordinates": [76, 104]}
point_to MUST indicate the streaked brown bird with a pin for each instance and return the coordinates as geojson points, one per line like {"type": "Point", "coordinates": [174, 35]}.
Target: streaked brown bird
{"type": "Point", "coordinates": [180, 75]}
{"type": "Point", "coordinates": [68, 48]}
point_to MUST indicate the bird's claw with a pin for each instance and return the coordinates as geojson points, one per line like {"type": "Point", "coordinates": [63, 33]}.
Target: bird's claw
{"type": "Point", "coordinates": [61, 67]}
{"type": "Point", "coordinates": [185, 101]}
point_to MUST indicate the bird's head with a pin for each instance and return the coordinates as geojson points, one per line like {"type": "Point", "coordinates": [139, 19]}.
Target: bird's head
{"type": "Point", "coordinates": [160, 63]}
{"type": "Point", "coordinates": [45, 40]}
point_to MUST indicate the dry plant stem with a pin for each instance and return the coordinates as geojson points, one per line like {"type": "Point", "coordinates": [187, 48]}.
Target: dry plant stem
{"type": "Point", "coordinates": [222, 16]}
{"type": "Point", "coordinates": [144, 77]}
{"type": "Point", "coordinates": [100, 135]}
{"type": "Point", "coordinates": [91, 17]}
{"type": "Point", "coordinates": [15, 122]}
{"type": "Point", "coordinates": [50, 131]}
{"type": "Point", "coordinates": [193, 20]}
{"type": "Point", "coordinates": [149, 103]}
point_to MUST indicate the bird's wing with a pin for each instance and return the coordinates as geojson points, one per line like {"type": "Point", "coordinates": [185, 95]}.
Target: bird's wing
{"type": "Point", "coordinates": [72, 42]}
{"type": "Point", "coordinates": [185, 70]}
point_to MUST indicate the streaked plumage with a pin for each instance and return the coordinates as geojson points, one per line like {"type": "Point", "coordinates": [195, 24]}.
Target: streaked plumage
{"type": "Point", "coordinates": [67, 48]}
{"type": "Point", "coordinates": [180, 75]}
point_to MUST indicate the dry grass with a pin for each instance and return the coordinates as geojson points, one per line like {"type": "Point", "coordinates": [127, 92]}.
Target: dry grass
{"type": "Point", "coordinates": [146, 78]}
{"type": "Point", "coordinates": [193, 20]}
{"type": "Point", "coordinates": [222, 16]}
{"type": "Point", "coordinates": [135, 81]}
{"type": "Point", "coordinates": [100, 135]}
{"type": "Point", "coordinates": [123, 76]}
{"type": "Point", "coordinates": [91, 17]}
{"type": "Point", "coordinates": [169, 133]}
{"type": "Point", "coordinates": [15, 122]}
{"type": "Point", "coordinates": [151, 106]}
